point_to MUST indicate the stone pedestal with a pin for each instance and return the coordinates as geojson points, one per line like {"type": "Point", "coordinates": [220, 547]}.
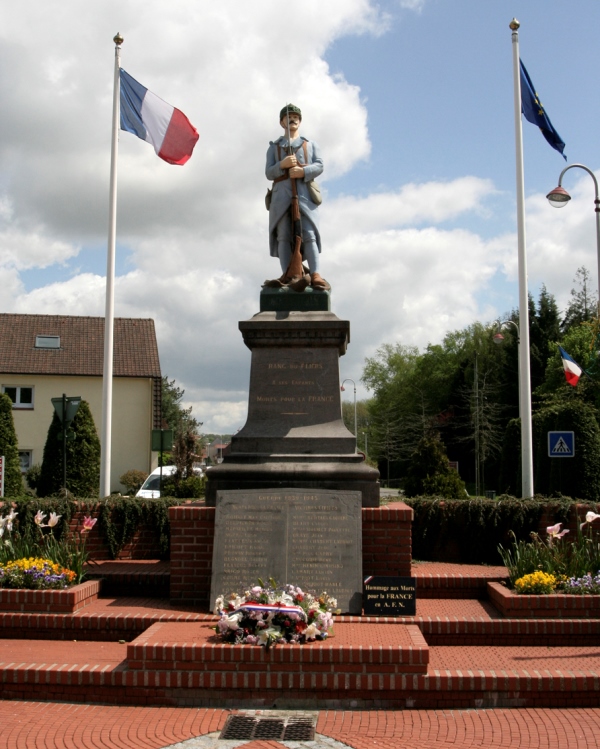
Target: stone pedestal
{"type": "Point", "coordinates": [295, 436]}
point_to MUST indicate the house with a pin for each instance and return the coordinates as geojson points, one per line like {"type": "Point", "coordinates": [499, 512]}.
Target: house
{"type": "Point", "coordinates": [45, 356]}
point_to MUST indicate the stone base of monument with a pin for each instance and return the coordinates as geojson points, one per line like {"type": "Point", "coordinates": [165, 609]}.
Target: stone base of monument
{"type": "Point", "coordinates": [294, 435]}
{"type": "Point", "coordinates": [361, 662]}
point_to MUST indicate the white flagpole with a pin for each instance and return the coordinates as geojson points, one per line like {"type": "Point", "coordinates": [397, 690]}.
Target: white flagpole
{"type": "Point", "coordinates": [524, 361]}
{"type": "Point", "coordinates": [109, 315]}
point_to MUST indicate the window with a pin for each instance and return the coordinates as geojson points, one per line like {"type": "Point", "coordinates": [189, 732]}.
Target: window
{"type": "Point", "coordinates": [22, 397]}
{"type": "Point", "coordinates": [47, 341]}
{"type": "Point", "coordinates": [26, 459]}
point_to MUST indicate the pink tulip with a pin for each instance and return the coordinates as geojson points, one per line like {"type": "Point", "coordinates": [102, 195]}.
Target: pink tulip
{"type": "Point", "coordinates": [39, 518]}
{"type": "Point", "coordinates": [554, 531]}
{"type": "Point", "coordinates": [89, 523]}
{"type": "Point", "coordinates": [53, 519]}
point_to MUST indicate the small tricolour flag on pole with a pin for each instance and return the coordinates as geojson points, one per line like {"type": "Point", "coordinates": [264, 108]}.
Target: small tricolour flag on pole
{"type": "Point", "coordinates": [572, 369]}
{"type": "Point", "coordinates": [150, 118]}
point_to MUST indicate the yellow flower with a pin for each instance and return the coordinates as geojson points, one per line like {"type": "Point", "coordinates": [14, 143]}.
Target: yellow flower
{"type": "Point", "coordinates": [537, 582]}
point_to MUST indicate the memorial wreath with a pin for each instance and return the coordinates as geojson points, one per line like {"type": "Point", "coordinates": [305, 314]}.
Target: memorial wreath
{"type": "Point", "coordinates": [269, 614]}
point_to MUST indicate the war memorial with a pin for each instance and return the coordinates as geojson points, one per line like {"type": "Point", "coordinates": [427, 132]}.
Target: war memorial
{"type": "Point", "coordinates": [295, 503]}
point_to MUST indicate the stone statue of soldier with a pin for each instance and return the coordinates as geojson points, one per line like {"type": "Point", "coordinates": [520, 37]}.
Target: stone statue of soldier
{"type": "Point", "coordinates": [293, 163]}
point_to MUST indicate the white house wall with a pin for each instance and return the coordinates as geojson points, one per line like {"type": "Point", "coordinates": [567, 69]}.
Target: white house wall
{"type": "Point", "coordinates": [131, 419]}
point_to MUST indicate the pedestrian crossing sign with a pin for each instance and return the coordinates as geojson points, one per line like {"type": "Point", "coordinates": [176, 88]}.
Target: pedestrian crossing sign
{"type": "Point", "coordinates": [561, 444]}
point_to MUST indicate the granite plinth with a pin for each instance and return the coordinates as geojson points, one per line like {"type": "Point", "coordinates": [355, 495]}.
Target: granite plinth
{"type": "Point", "coordinates": [294, 435]}
{"type": "Point", "coordinates": [312, 539]}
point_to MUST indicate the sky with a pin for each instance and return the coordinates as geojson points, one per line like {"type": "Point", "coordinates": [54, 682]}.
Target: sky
{"type": "Point", "coordinates": [411, 103]}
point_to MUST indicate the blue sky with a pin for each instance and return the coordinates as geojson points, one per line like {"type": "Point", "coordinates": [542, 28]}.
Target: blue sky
{"type": "Point", "coordinates": [411, 102]}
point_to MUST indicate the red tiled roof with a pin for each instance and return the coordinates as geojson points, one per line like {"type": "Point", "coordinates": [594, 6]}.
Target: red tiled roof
{"type": "Point", "coordinates": [81, 349]}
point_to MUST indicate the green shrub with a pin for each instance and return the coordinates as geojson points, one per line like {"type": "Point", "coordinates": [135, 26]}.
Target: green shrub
{"type": "Point", "coordinates": [83, 457]}
{"type": "Point", "coordinates": [469, 531]}
{"type": "Point", "coordinates": [430, 474]}
{"type": "Point", "coordinates": [132, 480]}
{"type": "Point", "coordinates": [191, 487]}
{"type": "Point", "coordinates": [13, 481]}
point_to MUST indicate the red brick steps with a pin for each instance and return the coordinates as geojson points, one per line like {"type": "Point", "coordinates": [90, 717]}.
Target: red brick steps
{"type": "Point", "coordinates": [474, 677]}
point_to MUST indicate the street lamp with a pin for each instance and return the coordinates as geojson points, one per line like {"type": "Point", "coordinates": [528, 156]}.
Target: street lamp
{"type": "Point", "coordinates": [559, 197]}
{"type": "Point", "coordinates": [342, 388]}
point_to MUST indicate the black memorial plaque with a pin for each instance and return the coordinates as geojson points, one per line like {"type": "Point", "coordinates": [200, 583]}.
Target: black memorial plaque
{"type": "Point", "coordinates": [390, 596]}
{"type": "Point", "coordinates": [311, 538]}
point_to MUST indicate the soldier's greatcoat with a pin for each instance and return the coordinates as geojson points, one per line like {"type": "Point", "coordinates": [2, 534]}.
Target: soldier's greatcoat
{"type": "Point", "coordinates": [282, 191]}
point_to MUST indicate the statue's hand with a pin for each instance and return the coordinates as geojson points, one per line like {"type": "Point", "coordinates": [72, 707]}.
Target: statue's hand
{"type": "Point", "coordinates": [288, 162]}
{"type": "Point", "coordinates": [297, 172]}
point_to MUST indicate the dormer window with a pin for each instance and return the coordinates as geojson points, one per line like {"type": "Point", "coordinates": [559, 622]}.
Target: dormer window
{"type": "Point", "coordinates": [47, 341]}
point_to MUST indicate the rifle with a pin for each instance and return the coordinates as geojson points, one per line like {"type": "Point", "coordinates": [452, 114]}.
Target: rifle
{"type": "Point", "coordinates": [294, 269]}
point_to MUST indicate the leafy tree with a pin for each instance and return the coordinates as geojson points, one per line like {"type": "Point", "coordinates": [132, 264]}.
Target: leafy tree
{"type": "Point", "coordinates": [578, 476]}
{"type": "Point", "coordinates": [583, 304]}
{"type": "Point", "coordinates": [13, 482]}
{"type": "Point", "coordinates": [174, 415]}
{"type": "Point", "coordinates": [429, 472]}
{"type": "Point", "coordinates": [83, 457]}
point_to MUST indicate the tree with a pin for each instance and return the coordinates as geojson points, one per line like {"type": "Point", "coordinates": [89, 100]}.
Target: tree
{"type": "Point", "coordinates": [583, 304]}
{"type": "Point", "coordinates": [579, 476]}
{"type": "Point", "coordinates": [13, 483]}
{"type": "Point", "coordinates": [83, 457]}
{"type": "Point", "coordinates": [430, 474]}
{"type": "Point", "coordinates": [176, 417]}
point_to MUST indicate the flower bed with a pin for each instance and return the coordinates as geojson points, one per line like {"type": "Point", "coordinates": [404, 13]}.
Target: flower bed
{"type": "Point", "coordinates": [543, 606]}
{"type": "Point", "coordinates": [64, 601]}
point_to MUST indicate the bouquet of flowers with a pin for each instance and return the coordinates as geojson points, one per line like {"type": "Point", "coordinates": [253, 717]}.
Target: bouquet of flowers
{"type": "Point", "coordinates": [268, 614]}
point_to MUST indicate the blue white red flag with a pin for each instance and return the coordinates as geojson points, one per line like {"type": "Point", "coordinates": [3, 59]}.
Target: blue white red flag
{"type": "Point", "coordinates": [572, 369]}
{"type": "Point", "coordinates": [150, 118]}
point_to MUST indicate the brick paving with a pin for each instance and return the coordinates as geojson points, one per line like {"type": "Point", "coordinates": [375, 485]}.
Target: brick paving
{"type": "Point", "coordinates": [30, 725]}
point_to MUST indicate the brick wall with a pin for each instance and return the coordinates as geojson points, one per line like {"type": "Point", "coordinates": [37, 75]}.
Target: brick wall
{"type": "Point", "coordinates": [143, 543]}
{"type": "Point", "coordinates": [386, 547]}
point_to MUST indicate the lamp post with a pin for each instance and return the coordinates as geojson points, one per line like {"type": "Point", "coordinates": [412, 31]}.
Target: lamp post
{"type": "Point", "coordinates": [499, 339]}
{"type": "Point", "coordinates": [342, 388]}
{"type": "Point", "coordinates": [559, 197]}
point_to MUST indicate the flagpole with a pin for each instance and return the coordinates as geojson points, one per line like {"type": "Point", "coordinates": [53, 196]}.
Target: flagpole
{"type": "Point", "coordinates": [109, 315]}
{"type": "Point", "coordinates": [524, 361]}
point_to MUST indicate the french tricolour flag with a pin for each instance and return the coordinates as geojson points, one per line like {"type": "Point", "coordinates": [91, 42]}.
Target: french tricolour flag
{"type": "Point", "coordinates": [150, 118]}
{"type": "Point", "coordinates": [572, 369]}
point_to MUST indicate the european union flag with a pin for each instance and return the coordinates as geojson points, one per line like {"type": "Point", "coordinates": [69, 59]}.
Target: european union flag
{"type": "Point", "coordinates": [532, 108]}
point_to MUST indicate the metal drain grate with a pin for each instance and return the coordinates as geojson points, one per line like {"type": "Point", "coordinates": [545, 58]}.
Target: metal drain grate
{"type": "Point", "coordinates": [279, 729]}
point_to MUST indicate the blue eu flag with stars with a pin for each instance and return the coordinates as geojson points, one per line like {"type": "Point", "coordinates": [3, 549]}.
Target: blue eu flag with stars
{"type": "Point", "coordinates": [532, 108]}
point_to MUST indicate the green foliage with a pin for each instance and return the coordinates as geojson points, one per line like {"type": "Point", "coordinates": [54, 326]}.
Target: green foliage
{"type": "Point", "coordinates": [429, 472]}
{"type": "Point", "coordinates": [173, 413]}
{"type": "Point", "coordinates": [579, 475]}
{"type": "Point", "coordinates": [190, 487]}
{"type": "Point", "coordinates": [132, 480]}
{"type": "Point", "coordinates": [13, 482]}
{"type": "Point", "coordinates": [83, 457]}
{"type": "Point", "coordinates": [119, 518]}
{"type": "Point", "coordinates": [469, 531]}
{"type": "Point", "coordinates": [32, 476]}
{"type": "Point", "coordinates": [582, 306]}
{"type": "Point", "coordinates": [509, 481]}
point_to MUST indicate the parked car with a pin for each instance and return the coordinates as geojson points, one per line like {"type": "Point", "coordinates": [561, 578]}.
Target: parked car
{"type": "Point", "coordinates": [150, 489]}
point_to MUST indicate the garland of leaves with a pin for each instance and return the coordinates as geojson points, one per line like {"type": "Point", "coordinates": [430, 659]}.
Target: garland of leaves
{"type": "Point", "coordinates": [119, 518]}
{"type": "Point", "coordinates": [469, 531]}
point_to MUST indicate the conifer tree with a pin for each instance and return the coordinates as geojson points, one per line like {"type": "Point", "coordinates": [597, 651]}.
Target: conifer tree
{"type": "Point", "coordinates": [83, 457]}
{"type": "Point", "coordinates": [13, 483]}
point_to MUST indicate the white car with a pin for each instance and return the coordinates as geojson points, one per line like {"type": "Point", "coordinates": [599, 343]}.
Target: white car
{"type": "Point", "coordinates": [150, 489]}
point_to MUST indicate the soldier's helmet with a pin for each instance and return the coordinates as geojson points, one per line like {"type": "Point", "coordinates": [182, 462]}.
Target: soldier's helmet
{"type": "Point", "coordinates": [290, 109]}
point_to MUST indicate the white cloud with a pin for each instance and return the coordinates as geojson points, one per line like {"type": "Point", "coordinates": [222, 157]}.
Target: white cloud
{"type": "Point", "coordinates": [401, 266]}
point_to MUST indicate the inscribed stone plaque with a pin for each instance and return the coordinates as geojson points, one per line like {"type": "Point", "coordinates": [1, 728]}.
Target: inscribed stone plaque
{"type": "Point", "coordinates": [311, 538]}
{"type": "Point", "coordinates": [390, 596]}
